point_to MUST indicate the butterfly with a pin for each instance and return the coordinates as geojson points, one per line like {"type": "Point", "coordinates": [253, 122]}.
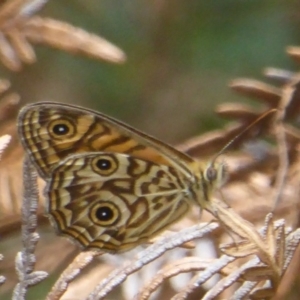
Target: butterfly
{"type": "Point", "coordinates": [108, 185]}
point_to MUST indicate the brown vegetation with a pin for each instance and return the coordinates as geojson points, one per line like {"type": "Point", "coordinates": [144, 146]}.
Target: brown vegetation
{"type": "Point", "coordinates": [254, 240]}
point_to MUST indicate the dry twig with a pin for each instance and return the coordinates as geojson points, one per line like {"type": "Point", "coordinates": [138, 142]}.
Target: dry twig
{"type": "Point", "coordinates": [25, 259]}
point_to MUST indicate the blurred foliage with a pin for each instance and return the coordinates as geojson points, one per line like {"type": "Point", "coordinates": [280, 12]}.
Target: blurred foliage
{"type": "Point", "coordinates": [181, 56]}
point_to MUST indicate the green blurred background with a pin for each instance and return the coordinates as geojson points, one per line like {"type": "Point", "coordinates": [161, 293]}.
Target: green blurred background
{"type": "Point", "coordinates": [181, 56]}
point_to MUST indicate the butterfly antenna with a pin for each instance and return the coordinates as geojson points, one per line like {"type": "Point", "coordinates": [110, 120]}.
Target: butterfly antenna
{"type": "Point", "coordinates": [264, 115]}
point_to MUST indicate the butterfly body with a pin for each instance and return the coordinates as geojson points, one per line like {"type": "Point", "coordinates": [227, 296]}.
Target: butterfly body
{"type": "Point", "coordinates": [109, 186]}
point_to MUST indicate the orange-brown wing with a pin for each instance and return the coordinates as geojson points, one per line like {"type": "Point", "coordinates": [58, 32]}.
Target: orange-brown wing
{"type": "Point", "coordinates": [113, 201]}
{"type": "Point", "coordinates": [52, 131]}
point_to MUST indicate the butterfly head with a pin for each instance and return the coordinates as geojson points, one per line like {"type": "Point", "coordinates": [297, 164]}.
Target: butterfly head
{"type": "Point", "coordinates": [213, 175]}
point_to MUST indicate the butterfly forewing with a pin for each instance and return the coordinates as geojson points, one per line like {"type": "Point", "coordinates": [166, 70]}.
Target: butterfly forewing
{"type": "Point", "coordinates": [51, 132]}
{"type": "Point", "coordinates": [114, 201]}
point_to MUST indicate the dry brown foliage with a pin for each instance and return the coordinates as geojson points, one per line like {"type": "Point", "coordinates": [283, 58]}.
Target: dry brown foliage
{"type": "Point", "coordinates": [252, 242]}
{"type": "Point", "coordinates": [19, 28]}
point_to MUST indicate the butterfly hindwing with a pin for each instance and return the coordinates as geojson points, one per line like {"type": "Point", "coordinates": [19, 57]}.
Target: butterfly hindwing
{"type": "Point", "coordinates": [114, 201]}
